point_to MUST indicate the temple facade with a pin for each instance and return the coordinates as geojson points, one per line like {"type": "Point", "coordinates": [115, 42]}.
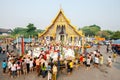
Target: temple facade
{"type": "Point", "coordinates": [61, 30]}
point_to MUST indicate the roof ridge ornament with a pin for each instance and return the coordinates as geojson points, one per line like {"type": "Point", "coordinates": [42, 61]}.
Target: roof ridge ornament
{"type": "Point", "coordinates": [60, 7]}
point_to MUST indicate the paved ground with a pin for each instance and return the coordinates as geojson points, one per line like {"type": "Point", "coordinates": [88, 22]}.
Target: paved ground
{"type": "Point", "coordinates": [102, 73]}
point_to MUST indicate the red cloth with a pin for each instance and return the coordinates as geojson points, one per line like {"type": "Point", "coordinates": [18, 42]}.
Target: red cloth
{"type": "Point", "coordinates": [45, 57]}
{"type": "Point", "coordinates": [47, 52]}
{"type": "Point", "coordinates": [81, 58]}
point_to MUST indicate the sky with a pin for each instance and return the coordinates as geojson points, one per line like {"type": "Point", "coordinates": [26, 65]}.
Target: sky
{"type": "Point", "coordinates": [19, 13]}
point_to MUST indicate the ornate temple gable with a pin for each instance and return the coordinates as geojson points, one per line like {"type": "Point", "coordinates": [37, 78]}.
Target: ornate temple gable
{"type": "Point", "coordinates": [60, 20]}
{"type": "Point", "coordinates": [60, 17]}
{"type": "Point", "coordinates": [71, 31]}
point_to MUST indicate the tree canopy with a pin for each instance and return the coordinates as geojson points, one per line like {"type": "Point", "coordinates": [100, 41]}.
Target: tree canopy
{"type": "Point", "coordinates": [95, 30]}
{"type": "Point", "coordinates": [91, 30]}
{"type": "Point", "coordinates": [116, 35]}
{"type": "Point", "coordinates": [30, 30]}
{"type": "Point", "coordinates": [105, 33]}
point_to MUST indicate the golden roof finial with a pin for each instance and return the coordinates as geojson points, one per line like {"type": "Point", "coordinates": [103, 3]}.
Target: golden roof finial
{"type": "Point", "coordinates": [60, 7]}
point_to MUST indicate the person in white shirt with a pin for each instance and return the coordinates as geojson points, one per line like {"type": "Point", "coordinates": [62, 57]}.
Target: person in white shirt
{"type": "Point", "coordinates": [88, 63]}
{"type": "Point", "coordinates": [18, 68]}
{"type": "Point", "coordinates": [27, 60]}
{"type": "Point", "coordinates": [14, 70]}
{"type": "Point", "coordinates": [96, 61]}
{"type": "Point", "coordinates": [31, 65]}
{"type": "Point", "coordinates": [109, 60]}
{"type": "Point", "coordinates": [9, 66]}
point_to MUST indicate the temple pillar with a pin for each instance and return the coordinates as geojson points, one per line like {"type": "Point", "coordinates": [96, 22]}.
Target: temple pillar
{"type": "Point", "coordinates": [73, 39]}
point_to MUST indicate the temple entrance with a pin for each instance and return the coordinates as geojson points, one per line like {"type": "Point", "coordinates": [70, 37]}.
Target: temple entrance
{"type": "Point", "coordinates": [51, 38]}
{"type": "Point", "coordinates": [61, 37]}
{"type": "Point", "coordinates": [60, 33]}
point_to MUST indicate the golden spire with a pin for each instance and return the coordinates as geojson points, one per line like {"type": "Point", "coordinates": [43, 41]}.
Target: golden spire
{"type": "Point", "coordinates": [60, 6]}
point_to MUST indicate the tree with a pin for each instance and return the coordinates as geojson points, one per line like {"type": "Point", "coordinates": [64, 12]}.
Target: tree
{"type": "Point", "coordinates": [105, 34]}
{"type": "Point", "coordinates": [17, 31]}
{"type": "Point", "coordinates": [91, 30]}
{"type": "Point", "coordinates": [116, 35]}
{"type": "Point", "coordinates": [30, 30]}
{"type": "Point", "coordinates": [40, 31]}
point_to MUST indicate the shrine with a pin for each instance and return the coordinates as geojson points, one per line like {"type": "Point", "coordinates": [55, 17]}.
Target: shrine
{"type": "Point", "coordinates": [61, 30]}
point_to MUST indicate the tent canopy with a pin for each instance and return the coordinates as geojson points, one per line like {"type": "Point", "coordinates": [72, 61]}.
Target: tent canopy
{"type": "Point", "coordinates": [116, 41]}
{"type": "Point", "coordinates": [26, 40]}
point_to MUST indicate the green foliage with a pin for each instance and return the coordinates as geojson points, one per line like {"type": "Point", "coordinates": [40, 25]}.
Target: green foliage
{"type": "Point", "coordinates": [94, 30]}
{"type": "Point", "coordinates": [91, 30]}
{"type": "Point", "coordinates": [105, 33]}
{"type": "Point", "coordinates": [116, 35]}
{"type": "Point", "coordinates": [17, 31]}
{"type": "Point", "coordinates": [2, 37]}
{"type": "Point", "coordinates": [40, 31]}
{"type": "Point", "coordinates": [110, 32]}
{"type": "Point", "coordinates": [30, 30]}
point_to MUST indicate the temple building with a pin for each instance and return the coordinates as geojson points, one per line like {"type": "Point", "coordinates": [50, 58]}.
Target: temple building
{"type": "Point", "coordinates": [61, 30]}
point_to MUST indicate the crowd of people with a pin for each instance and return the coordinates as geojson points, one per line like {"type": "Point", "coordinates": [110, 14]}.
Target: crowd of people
{"type": "Point", "coordinates": [46, 65]}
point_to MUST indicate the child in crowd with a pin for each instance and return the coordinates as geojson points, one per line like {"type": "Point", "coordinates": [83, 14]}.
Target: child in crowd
{"type": "Point", "coordinates": [54, 70]}
{"type": "Point", "coordinates": [109, 60]}
{"type": "Point", "coordinates": [114, 57]}
{"type": "Point", "coordinates": [81, 60]}
{"type": "Point", "coordinates": [101, 59]}
{"type": "Point", "coordinates": [88, 63]}
{"type": "Point", "coordinates": [96, 61]}
{"type": "Point", "coordinates": [9, 66]}
{"type": "Point", "coordinates": [84, 61]}
{"type": "Point", "coordinates": [4, 66]}
{"type": "Point", "coordinates": [14, 70]}
{"type": "Point", "coordinates": [68, 67]}
{"type": "Point", "coordinates": [27, 60]}
{"type": "Point", "coordinates": [34, 64]}
{"type": "Point", "coordinates": [49, 72]}
{"type": "Point", "coordinates": [43, 67]}
{"type": "Point", "coordinates": [71, 66]}
{"type": "Point", "coordinates": [18, 68]}
{"type": "Point", "coordinates": [31, 65]}
{"type": "Point", "coordinates": [24, 68]}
